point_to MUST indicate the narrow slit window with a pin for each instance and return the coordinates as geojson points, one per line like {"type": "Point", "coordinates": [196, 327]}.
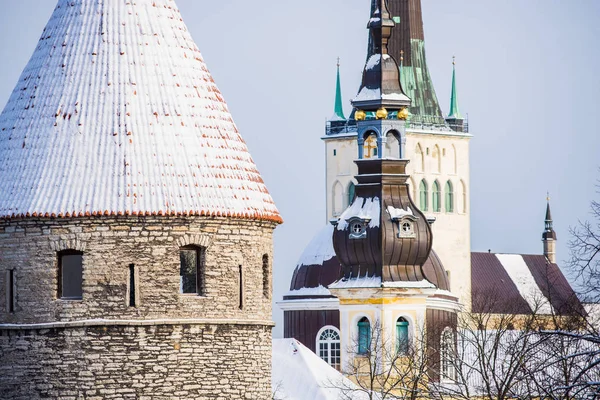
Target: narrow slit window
{"type": "Point", "coordinates": [266, 277]}
{"type": "Point", "coordinates": [132, 288]}
{"type": "Point", "coordinates": [191, 270]}
{"type": "Point", "coordinates": [241, 287]}
{"type": "Point", "coordinates": [11, 291]}
{"type": "Point", "coordinates": [70, 275]}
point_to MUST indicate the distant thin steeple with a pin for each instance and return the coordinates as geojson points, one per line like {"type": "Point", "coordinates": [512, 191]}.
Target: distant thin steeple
{"type": "Point", "coordinates": [454, 111]}
{"type": "Point", "coordinates": [549, 235]}
{"type": "Point", "coordinates": [339, 107]}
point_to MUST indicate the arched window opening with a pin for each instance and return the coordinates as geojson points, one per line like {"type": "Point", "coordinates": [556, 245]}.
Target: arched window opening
{"type": "Point", "coordinates": [463, 189]}
{"type": "Point", "coordinates": [351, 192]}
{"type": "Point", "coordinates": [338, 199]}
{"type": "Point", "coordinates": [402, 339]}
{"type": "Point", "coordinates": [329, 348]}
{"type": "Point", "coordinates": [364, 336]}
{"type": "Point", "coordinates": [70, 275]}
{"type": "Point", "coordinates": [437, 159]}
{"type": "Point", "coordinates": [370, 147]}
{"type": "Point", "coordinates": [420, 167]}
{"type": "Point", "coordinates": [437, 206]}
{"type": "Point", "coordinates": [266, 276]}
{"type": "Point", "coordinates": [423, 196]}
{"type": "Point", "coordinates": [192, 270]}
{"type": "Point", "coordinates": [454, 160]}
{"type": "Point", "coordinates": [447, 353]}
{"type": "Point", "coordinates": [449, 193]}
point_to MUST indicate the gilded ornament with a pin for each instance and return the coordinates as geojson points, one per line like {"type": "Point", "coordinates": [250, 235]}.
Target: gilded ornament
{"type": "Point", "coordinates": [360, 115]}
{"type": "Point", "coordinates": [403, 114]}
{"type": "Point", "coordinates": [382, 113]}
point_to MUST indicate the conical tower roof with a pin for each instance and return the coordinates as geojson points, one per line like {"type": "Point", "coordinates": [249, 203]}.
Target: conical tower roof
{"type": "Point", "coordinates": [117, 114]}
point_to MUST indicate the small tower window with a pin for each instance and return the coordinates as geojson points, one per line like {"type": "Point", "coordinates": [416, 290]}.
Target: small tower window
{"type": "Point", "coordinates": [364, 336]}
{"type": "Point", "coordinates": [70, 275]}
{"type": "Point", "coordinates": [10, 291]}
{"type": "Point", "coordinates": [358, 228]}
{"type": "Point", "coordinates": [437, 207]}
{"type": "Point", "coordinates": [449, 195]}
{"type": "Point", "coordinates": [423, 196]}
{"type": "Point", "coordinates": [447, 351]}
{"type": "Point", "coordinates": [266, 276]}
{"type": "Point", "coordinates": [132, 288]}
{"type": "Point", "coordinates": [328, 346]}
{"type": "Point", "coordinates": [241, 287]}
{"type": "Point", "coordinates": [402, 336]}
{"type": "Point", "coordinates": [191, 270]}
{"type": "Point", "coordinates": [334, 152]}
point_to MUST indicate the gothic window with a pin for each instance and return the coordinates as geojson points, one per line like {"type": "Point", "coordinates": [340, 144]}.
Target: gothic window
{"type": "Point", "coordinates": [192, 270]}
{"type": "Point", "coordinates": [437, 159]}
{"type": "Point", "coordinates": [364, 336]}
{"type": "Point", "coordinates": [328, 346]}
{"type": "Point", "coordinates": [70, 275]}
{"type": "Point", "coordinates": [437, 206]}
{"type": "Point", "coordinates": [338, 198]}
{"type": "Point", "coordinates": [463, 196]}
{"type": "Point", "coordinates": [420, 159]}
{"type": "Point", "coordinates": [447, 351]}
{"type": "Point", "coordinates": [266, 276]}
{"type": "Point", "coordinates": [402, 337]}
{"type": "Point", "coordinates": [449, 195]}
{"type": "Point", "coordinates": [351, 192]}
{"type": "Point", "coordinates": [423, 196]}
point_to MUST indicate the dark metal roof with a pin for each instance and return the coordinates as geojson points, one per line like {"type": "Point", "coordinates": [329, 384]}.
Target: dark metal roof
{"type": "Point", "coordinates": [493, 291]}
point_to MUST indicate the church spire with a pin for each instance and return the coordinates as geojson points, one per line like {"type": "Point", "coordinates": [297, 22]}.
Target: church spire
{"type": "Point", "coordinates": [380, 88]}
{"type": "Point", "coordinates": [549, 235]}
{"type": "Point", "coordinates": [454, 111]}
{"type": "Point", "coordinates": [338, 113]}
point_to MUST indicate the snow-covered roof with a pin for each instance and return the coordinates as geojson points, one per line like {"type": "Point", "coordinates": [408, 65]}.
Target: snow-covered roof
{"type": "Point", "coordinates": [299, 374]}
{"type": "Point", "coordinates": [363, 208]}
{"type": "Point", "coordinates": [116, 113]}
{"type": "Point", "coordinates": [320, 248]}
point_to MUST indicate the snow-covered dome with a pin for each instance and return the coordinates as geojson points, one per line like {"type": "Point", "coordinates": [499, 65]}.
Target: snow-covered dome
{"type": "Point", "coordinates": [319, 267]}
{"type": "Point", "coordinates": [116, 113]}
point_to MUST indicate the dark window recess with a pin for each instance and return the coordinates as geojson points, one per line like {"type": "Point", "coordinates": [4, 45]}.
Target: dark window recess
{"type": "Point", "coordinates": [11, 291]}
{"type": "Point", "coordinates": [334, 152]}
{"type": "Point", "coordinates": [266, 288]}
{"type": "Point", "coordinates": [191, 271]}
{"type": "Point", "coordinates": [70, 279]}
{"type": "Point", "coordinates": [132, 286]}
{"type": "Point", "coordinates": [241, 294]}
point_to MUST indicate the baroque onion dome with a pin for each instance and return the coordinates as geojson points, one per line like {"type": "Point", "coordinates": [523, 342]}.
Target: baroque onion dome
{"type": "Point", "coordinates": [383, 233]}
{"type": "Point", "coordinates": [116, 113]}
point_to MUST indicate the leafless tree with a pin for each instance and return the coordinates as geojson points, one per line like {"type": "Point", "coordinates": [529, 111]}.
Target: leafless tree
{"type": "Point", "coordinates": [387, 370]}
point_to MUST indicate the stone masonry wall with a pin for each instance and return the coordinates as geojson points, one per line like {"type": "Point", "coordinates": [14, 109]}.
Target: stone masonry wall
{"type": "Point", "coordinates": [173, 362]}
{"type": "Point", "coordinates": [170, 346]}
{"type": "Point", "coordinates": [110, 245]}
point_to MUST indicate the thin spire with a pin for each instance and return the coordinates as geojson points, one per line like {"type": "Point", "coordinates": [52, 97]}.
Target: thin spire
{"type": "Point", "coordinates": [454, 111]}
{"type": "Point", "coordinates": [548, 213]}
{"type": "Point", "coordinates": [339, 107]}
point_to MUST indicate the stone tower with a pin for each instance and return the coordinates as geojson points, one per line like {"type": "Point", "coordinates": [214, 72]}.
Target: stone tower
{"type": "Point", "coordinates": [437, 147]}
{"type": "Point", "coordinates": [135, 228]}
{"type": "Point", "coordinates": [549, 236]}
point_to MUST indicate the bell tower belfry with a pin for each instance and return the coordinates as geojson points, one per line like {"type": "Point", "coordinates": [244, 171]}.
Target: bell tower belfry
{"type": "Point", "coordinates": [396, 114]}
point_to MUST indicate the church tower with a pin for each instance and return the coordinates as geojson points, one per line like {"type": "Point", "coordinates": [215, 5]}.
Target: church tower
{"type": "Point", "coordinates": [437, 147]}
{"type": "Point", "coordinates": [135, 229]}
{"type": "Point", "coordinates": [549, 236]}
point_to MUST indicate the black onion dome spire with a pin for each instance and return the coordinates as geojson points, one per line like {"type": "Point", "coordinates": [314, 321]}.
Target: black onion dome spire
{"type": "Point", "coordinates": [383, 233]}
{"type": "Point", "coordinates": [381, 85]}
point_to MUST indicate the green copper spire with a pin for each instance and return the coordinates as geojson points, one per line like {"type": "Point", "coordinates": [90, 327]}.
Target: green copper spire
{"type": "Point", "coordinates": [454, 111]}
{"type": "Point", "coordinates": [339, 108]}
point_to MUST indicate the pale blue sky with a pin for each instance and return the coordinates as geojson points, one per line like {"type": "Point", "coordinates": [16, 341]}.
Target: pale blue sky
{"type": "Point", "coordinates": [528, 77]}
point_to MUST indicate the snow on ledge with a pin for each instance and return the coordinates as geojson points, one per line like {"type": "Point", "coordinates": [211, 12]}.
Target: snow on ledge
{"type": "Point", "coordinates": [316, 291]}
{"type": "Point", "coordinates": [354, 283]}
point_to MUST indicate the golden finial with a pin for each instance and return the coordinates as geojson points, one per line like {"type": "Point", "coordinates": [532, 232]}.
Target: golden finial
{"type": "Point", "coordinates": [382, 113]}
{"type": "Point", "coordinates": [401, 55]}
{"type": "Point", "coordinates": [548, 196]}
{"type": "Point", "coordinates": [360, 115]}
{"type": "Point", "coordinates": [338, 62]}
{"type": "Point", "coordinates": [453, 60]}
